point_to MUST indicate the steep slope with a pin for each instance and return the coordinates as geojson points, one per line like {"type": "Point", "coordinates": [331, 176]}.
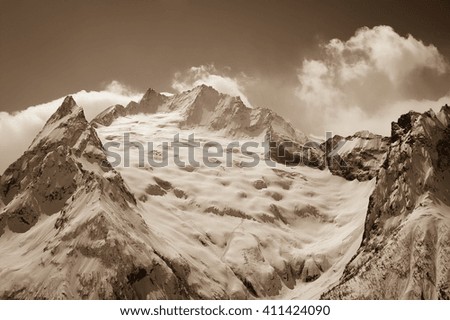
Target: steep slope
{"type": "Point", "coordinates": [405, 252]}
{"type": "Point", "coordinates": [68, 228]}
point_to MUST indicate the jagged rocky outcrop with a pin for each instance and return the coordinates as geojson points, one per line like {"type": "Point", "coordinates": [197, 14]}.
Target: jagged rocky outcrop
{"type": "Point", "coordinates": [292, 153]}
{"type": "Point", "coordinates": [405, 251]}
{"type": "Point", "coordinates": [359, 156]}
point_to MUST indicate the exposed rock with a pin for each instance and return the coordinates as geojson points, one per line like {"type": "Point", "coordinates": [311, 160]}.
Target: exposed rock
{"type": "Point", "coordinates": [259, 184]}
{"type": "Point", "coordinates": [359, 156]}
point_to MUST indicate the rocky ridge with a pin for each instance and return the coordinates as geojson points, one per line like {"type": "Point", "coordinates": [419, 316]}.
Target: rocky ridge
{"type": "Point", "coordinates": [405, 249]}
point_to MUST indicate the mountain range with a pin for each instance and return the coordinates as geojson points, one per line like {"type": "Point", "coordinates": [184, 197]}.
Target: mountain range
{"type": "Point", "coordinates": [87, 212]}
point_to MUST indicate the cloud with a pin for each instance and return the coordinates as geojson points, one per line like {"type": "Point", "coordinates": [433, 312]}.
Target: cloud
{"type": "Point", "coordinates": [209, 75]}
{"type": "Point", "coordinates": [117, 88]}
{"type": "Point", "coordinates": [369, 80]}
{"type": "Point", "coordinates": [17, 130]}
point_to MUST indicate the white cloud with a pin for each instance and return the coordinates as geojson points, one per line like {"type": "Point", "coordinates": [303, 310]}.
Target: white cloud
{"type": "Point", "coordinates": [369, 80]}
{"type": "Point", "coordinates": [350, 120]}
{"type": "Point", "coordinates": [17, 130]}
{"type": "Point", "coordinates": [209, 75]}
{"type": "Point", "coordinates": [120, 89]}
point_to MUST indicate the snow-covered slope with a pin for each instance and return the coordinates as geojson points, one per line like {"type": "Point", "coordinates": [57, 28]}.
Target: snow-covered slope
{"type": "Point", "coordinates": [405, 251]}
{"type": "Point", "coordinates": [254, 231]}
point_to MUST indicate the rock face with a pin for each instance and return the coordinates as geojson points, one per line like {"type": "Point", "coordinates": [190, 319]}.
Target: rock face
{"type": "Point", "coordinates": [405, 252]}
{"type": "Point", "coordinates": [359, 156]}
{"type": "Point", "coordinates": [292, 153]}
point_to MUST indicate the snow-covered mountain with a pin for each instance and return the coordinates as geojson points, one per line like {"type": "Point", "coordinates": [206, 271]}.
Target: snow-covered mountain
{"type": "Point", "coordinates": [405, 252]}
{"type": "Point", "coordinates": [92, 211]}
{"type": "Point", "coordinates": [69, 228]}
{"type": "Point", "coordinates": [356, 157]}
{"type": "Point", "coordinates": [203, 106]}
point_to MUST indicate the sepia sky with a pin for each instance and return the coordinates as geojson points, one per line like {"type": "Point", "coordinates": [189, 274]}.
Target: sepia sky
{"type": "Point", "coordinates": [325, 65]}
{"type": "Point", "coordinates": [49, 48]}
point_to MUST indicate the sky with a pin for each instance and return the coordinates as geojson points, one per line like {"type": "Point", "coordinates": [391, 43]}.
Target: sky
{"type": "Point", "coordinates": [323, 65]}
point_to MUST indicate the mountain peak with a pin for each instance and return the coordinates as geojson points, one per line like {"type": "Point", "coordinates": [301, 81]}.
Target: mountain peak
{"type": "Point", "coordinates": [203, 88]}
{"type": "Point", "coordinates": [68, 106]}
{"type": "Point", "coordinates": [66, 123]}
{"type": "Point", "coordinates": [152, 95]}
{"type": "Point", "coordinates": [148, 94]}
{"type": "Point", "coordinates": [403, 125]}
{"type": "Point", "coordinates": [149, 103]}
{"type": "Point", "coordinates": [69, 101]}
{"type": "Point", "coordinates": [67, 152]}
